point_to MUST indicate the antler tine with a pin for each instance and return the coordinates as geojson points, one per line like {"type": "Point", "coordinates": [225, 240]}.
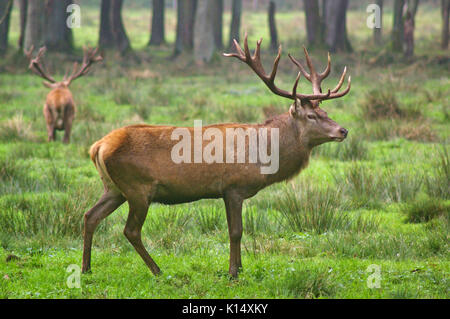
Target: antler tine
{"type": "Point", "coordinates": [35, 64]}
{"type": "Point", "coordinates": [341, 81]}
{"type": "Point", "coordinates": [300, 67]}
{"type": "Point", "coordinates": [294, 89]}
{"type": "Point", "coordinates": [89, 57]}
{"type": "Point", "coordinates": [349, 84]}
{"type": "Point", "coordinates": [327, 70]}
{"type": "Point", "coordinates": [312, 70]}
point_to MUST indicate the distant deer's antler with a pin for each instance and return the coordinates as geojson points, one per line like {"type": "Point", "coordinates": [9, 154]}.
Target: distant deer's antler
{"type": "Point", "coordinates": [315, 78]}
{"type": "Point", "coordinates": [36, 65]}
{"type": "Point", "coordinates": [90, 57]}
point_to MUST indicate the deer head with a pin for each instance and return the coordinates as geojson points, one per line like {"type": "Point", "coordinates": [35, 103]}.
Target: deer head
{"type": "Point", "coordinates": [90, 57]}
{"type": "Point", "coordinates": [313, 123]}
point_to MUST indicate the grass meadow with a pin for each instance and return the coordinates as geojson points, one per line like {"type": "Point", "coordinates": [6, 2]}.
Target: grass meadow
{"type": "Point", "coordinates": [379, 198]}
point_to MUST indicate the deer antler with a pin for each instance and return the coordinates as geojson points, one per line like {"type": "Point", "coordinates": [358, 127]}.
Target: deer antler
{"type": "Point", "coordinates": [315, 78]}
{"type": "Point", "coordinates": [36, 65]}
{"type": "Point", "coordinates": [255, 64]}
{"type": "Point", "coordinates": [90, 57]}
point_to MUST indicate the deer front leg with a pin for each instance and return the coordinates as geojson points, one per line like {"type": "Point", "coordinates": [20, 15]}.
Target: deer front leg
{"type": "Point", "coordinates": [233, 206]}
{"type": "Point", "coordinates": [69, 115]}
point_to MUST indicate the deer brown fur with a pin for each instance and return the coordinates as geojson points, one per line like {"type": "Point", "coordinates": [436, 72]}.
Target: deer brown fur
{"type": "Point", "coordinates": [135, 165]}
{"type": "Point", "coordinates": [59, 108]}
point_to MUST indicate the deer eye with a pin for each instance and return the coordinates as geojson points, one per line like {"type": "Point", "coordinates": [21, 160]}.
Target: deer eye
{"type": "Point", "coordinates": [311, 117]}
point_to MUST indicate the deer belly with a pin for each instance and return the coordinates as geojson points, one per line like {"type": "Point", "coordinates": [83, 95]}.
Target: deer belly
{"type": "Point", "coordinates": [187, 190]}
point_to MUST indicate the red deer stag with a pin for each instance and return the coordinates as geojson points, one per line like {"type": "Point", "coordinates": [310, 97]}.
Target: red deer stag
{"type": "Point", "coordinates": [136, 163]}
{"type": "Point", "coordinates": [59, 107]}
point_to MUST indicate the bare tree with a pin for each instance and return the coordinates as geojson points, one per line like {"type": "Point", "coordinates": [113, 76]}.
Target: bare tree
{"type": "Point", "coordinates": [204, 42]}
{"type": "Point", "coordinates": [377, 32]}
{"type": "Point", "coordinates": [235, 22]}
{"type": "Point", "coordinates": [218, 23]}
{"type": "Point", "coordinates": [445, 10]}
{"type": "Point", "coordinates": [314, 25]}
{"type": "Point", "coordinates": [57, 35]}
{"type": "Point", "coordinates": [23, 4]}
{"type": "Point", "coordinates": [112, 31]}
{"type": "Point", "coordinates": [157, 32]}
{"type": "Point", "coordinates": [408, 26]}
{"type": "Point", "coordinates": [273, 26]}
{"type": "Point", "coordinates": [35, 27]}
{"type": "Point", "coordinates": [185, 26]}
{"type": "Point", "coordinates": [336, 25]}
{"type": "Point", "coordinates": [397, 29]}
{"type": "Point", "coordinates": [5, 12]}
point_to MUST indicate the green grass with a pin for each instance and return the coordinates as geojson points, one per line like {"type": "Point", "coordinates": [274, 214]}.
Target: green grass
{"type": "Point", "coordinates": [379, 198]}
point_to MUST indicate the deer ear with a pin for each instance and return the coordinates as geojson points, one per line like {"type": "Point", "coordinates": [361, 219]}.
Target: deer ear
{"type": "Point", "coordinates": [294, 109]}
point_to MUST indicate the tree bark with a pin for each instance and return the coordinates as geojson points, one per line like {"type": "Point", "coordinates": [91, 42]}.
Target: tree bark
{"type": "Point", "coordinates": [106, 39]}
{"type": "Point", "coordinates": [23, 4]}
{"type": "Point", "coordinates": [5, 13]}
{"type": "Point", "coordinates": [58, 36]}
{"type": "Point", "coordinates": [273, 27]}
{"type": "Point", "coordinates": [218, 23]}
{"type": "Point", "coordinates": [235, 22]}
{"type": "Point", "coordinates": [313, 23]}
{"type": "Point", "coordinates": [157, 33]}
{"type": "Point", "coordinates": [336, 26]}
{"type": "Point", "coordinates": [377, 32]}
{"type": "Point", "coordinates": [35, 27]}
{"type": "Point", "coordinates": [186, 10]}
{"type": "Point", "coordinates": [112, 31]}
{"type": "Point", "coordinates": [204, 42]}
{"type": "Point", "coordinates": [445, 11]}
{"type": "Point", "coordinates": [397, 29]}
{"type": "Point", "coordinates": [120, 37]}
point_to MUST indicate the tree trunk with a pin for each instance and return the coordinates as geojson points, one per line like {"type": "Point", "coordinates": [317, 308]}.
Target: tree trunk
{"type": "Point", "coordinates": [58, 36]}
{"type": "Point", "coordinates": [218, 23]}
{"type": "Point", "coordinates": [273, 27]}
{"type": "Point", "coordinates": [336, 26]}
{"type": "Point", "coordinates": [157, 33]}
{"type": "Point", "coordinates": [35, 27]}
{"type": "Point", "coordinates": [118, 31]}
{"type": "Point", "coordinates": [23, 4]}
{"type": "Point", "coordinates": [186, 10]}
{"type": "Point", "coordinates": [204, 42]}
{"type": "Point", "coordinates": [397, 29]}
{"type": "Point", "coordinates": [377, 31]}
{"type": "Point", "coordinates": [313, 23]}
{"type": "Point", "coordinates": [106, 39]}
{"type": "Point", "coordinates": [5, 13]}
{"type": "Point", "coordinates": [445, 11]}
{"type": "Point", "coordinates": [235, 22]}
{"type": "Point", "coordinates": [408, 28]}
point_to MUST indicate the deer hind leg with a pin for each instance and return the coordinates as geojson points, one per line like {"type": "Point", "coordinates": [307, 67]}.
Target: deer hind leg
{"type": "Point", "coordinates": [108, 203]}
{"type": "Point", "coordinates": [67, 121]}
{"type": "Point", "coordinates": [133, 227]}
{"type": "Point", "coordinates": [233, 206]}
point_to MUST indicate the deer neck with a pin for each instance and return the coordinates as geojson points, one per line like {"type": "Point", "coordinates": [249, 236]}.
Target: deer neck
{"type": "Point", "coordinates": [294, 148]}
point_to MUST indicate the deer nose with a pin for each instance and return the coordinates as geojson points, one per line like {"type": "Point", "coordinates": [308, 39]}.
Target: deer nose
{"type": "Point", "coordinates": [344, 132]}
